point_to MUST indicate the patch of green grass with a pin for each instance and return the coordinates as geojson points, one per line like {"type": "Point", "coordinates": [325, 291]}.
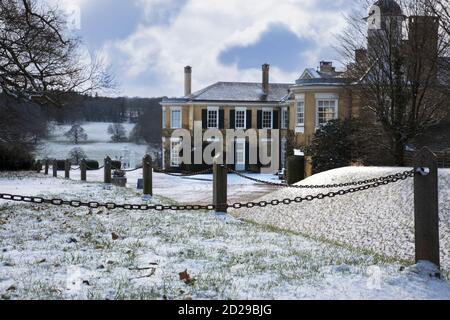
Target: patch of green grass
{"type": "Point", "coordinates": [377, 257]}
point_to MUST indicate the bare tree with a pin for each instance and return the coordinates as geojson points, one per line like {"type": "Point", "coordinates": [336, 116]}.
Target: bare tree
{"type": "Point", "coordinates": [396, 69]}
{"type": "Point", "coordinates": [76, 134]}
{"type": "Point", "coordinates": [76, 155]}
{"type": "Point", "coordinates": [441, 9]}
{"type": "Point", "coordinates": [38, 60]}
{"type": "Point", "coordinates": [117, 132]}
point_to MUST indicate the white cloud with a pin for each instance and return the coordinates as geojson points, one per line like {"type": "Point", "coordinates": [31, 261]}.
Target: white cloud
{"type": "Point", "coordinates": [201, 30]}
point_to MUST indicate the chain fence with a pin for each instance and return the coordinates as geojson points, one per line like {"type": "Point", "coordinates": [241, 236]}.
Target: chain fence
{"type": "Point", "coordinates": [145, 207]}
{"type": "Point", "coordinates": [325, 186]}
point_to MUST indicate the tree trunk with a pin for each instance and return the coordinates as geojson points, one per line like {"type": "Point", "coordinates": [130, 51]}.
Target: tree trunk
{"type": "Point", "coordinates": [398, 151]}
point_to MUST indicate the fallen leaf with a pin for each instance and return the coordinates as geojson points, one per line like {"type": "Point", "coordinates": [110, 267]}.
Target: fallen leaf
{"type": "Point", "coordinates": [41, 261]}
{"type": "Point", "coordinates": [12, 288]}
{"type": "Point", "coordinates": [184, 275]}
{"type": "Point", "coordinates": [73, 240]}
{"type": "Point", "coordinates": [86, 283]}
{"type": "Point", "coordinates": [186, 278]}
{"type": "Point", "coordinates": [114, 236]}
{"type": "Point", "coordinates": [2, 222]}
{"type": "Point", "coordinates": [99, 247]}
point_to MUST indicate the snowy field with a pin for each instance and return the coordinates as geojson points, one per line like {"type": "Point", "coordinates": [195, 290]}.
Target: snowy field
{"type": "Point", "coordinates": [381, 219]}
{"type": "Point", "coordinates": [66, 253]}
{"type": "Point", "coordinates": [97, 147]}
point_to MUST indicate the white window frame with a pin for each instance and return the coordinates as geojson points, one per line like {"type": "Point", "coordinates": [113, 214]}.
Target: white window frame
{"type": "Point", "coordinates": [174, 125]}
{"type": "Point", "coordinates": [179, 159]}
{"type": "Point", "coordinates": [267, 110]}
{"type": "Point", "coordinates": [216, 110]}
{"type": "Point", "coordinates": [244, 110]}
{"type": "Point", "coordinates": [285, 118]}
{"type": "Point", "coordinates": [326, 97]}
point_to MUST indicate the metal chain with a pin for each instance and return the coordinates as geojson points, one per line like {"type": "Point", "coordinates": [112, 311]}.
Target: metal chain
{"type": "Point", "coordinates": [143, 207]}
{"type": "Point", "coordinates": [395, 178]}
{"type": "Point", "coordinates": [131, 170]}
{"type": "Point", "coordinates": [327, 186]}
{"type": "Point", "coordinates": [184, 173]}
{"type": "Point", "coordinates": [93, 169]}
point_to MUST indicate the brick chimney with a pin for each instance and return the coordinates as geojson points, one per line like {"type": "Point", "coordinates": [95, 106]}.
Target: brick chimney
{"type": "Point", "coordinates": [327, 67]}
{"type": "Point", "coordinates": [187, 81]}
{"type": "Point", "coordinates": [265, 78]}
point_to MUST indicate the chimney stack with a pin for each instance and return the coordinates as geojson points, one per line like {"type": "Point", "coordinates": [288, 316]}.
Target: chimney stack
{"type": "Point", "coordinates": [265, 78]}
{"type": "Point", "coordinates": [187, 81]}
{"type": "Point", "coordinates": [327, 67]}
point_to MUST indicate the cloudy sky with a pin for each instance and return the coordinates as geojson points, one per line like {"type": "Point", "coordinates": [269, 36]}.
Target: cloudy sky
{"type": "Point", "coordinates": [148, 42]}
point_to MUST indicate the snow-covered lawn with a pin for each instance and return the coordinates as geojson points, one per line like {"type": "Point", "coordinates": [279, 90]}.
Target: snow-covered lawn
{"type": "Point", "coordinates": [381, 219]}
{"type": "Point", "coordinates": [97, 147]}
{"type": "Point", "coordinates": [68, 253]}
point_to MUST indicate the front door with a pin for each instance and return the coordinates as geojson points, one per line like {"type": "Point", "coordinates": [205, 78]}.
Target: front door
{"type": "Point", "coordinates": [240, 155]}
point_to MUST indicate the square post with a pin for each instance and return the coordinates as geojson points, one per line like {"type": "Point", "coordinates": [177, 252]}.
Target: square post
{"type": "Point", "coordinates": [55, 168]}
{"type": "Point", "coordinates": [220, 187]}
{"type": "Point", "coordinates": [426, 207]}
{"type": "Point", "coordinates": [83, 169]}
{"type": "Point", "coordinates": [107, 171]}
{"type": "Point", "coordinates": [147, 169]}
{"type": "Point", "coordinates": [67, 167]}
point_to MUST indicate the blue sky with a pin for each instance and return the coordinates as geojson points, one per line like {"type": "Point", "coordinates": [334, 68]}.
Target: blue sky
{"type": "Point", "coordinates": [148, 42]}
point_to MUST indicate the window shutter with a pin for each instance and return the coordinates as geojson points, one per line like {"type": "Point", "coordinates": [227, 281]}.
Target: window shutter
{"type": "Point", "coordinates": [221, 119]}
{"type": "Point", "coordinates": [232, 119]}
{"type": "Point", "coordinates": [205, 119]}
{"type": "Point", "coordinates": [276, 118]}
{"type": "Point", "coordinates": [249, 119]}
{"type": "Point", "coordinates": [260, 119]}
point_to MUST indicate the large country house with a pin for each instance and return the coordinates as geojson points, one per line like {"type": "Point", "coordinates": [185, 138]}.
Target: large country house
{"type": "Point", "coordinates": [300, 108]}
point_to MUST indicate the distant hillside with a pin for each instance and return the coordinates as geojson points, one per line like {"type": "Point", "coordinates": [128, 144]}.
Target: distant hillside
{"type": "Point", "coordinates": [103, 109]}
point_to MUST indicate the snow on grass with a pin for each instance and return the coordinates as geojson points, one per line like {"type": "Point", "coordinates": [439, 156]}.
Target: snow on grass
{"type": "Point", "coordinates": [196, 189]}
{"type": "Point", "coordinates": [97, 147]}
{"type": "Point", "coordinates": [381, 219]}
{"type": "Point", "coordinates": [67, 253]}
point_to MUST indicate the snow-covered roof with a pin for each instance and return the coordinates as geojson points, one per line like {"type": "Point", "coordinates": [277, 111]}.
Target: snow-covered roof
{"type": "Point", "coordinates": [237, 91]}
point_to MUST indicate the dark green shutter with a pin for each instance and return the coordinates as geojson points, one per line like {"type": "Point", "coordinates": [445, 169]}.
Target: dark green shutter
{"type": "Point", "coordinates": [249, 119]}
{"type": "Point", "coordinates": [221, 119]}
{"type": "Point", "coordinates": [205, 119]}
{"type": "Point", "coordinates": [276, 119]}
{"type": "Point", "coordinates": [232, 119]}
{"type": "Point", "coordinates": [260, 119]}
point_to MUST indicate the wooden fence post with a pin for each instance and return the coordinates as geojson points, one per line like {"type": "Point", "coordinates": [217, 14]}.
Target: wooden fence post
{"type": "Point", "coordinates": [55, 168]}
{"type": "Point", "coordinates": [220, 187]}
{"type": "Point", "coordinates": [426, 207]}
{"type": "Point", "coordinates": [46, 167]}
{"type": "Point", "coordinates": [67, 167]}
{"type": "Point", "coordinates": [83, 169]}
{"type": "Point", "coordinates": [107, 175]}
{"type": "Point", "coordinates": [148, 175]}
